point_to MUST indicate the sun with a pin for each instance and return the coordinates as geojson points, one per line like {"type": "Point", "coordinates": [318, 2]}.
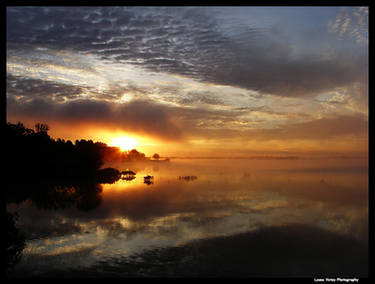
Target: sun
{"type": "Point", "coordinates": [125, 143]}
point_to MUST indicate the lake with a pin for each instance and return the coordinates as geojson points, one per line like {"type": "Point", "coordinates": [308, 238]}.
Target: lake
{"type": "Point", "coordinates": [207, 217]}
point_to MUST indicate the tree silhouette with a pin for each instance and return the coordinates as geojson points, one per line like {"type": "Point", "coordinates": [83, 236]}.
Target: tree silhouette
{"type": "Point", "coordinates": [43, 158]}
{"type": "Point", "coordinates": [135, 155]}
{"type": "Point", "coordinates": [41, 128]}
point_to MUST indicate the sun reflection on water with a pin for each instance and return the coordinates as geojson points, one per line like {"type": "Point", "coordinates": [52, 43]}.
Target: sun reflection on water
{"type": "Point", "coordinates": [221, 201]}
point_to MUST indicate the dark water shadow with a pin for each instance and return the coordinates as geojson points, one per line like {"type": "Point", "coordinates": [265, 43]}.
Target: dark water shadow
{"type": "Point", "coordinates": [85, 194]}
{"type": "Point", "coordinates": [284, 251]}
{"type": "Point", "coordinates": [14, 241]}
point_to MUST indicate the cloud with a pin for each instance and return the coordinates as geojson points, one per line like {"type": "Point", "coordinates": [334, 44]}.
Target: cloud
{"type": "Point", "coordinates": [318, 129]}
{"type": "Point", "coordinates": [32, 88]}
{"type": "Point", "coordinates": [351, 22]}
{"type": "Point", "coordinates": [353, 97]}
{"type": "Point", "coordinates": [136, 116]}
{"type": "Point", "coordinates": [198, 98]}
{"type": "Point", "coordinates": [337, 128]}
{"type": "Point", "coordinates": [182, 112]}
{"type": "Point", "coordinates": [328, 127]}
{"type": "Point", "coordinates": [40, 100]}
{"type": "Point", "coordinates": [150, 117]}
{"type": "Point", "coordinates": [185, 41]}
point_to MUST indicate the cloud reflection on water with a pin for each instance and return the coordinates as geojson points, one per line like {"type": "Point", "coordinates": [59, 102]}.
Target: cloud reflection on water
{"type": "Point", "coordinates": [133, 217]}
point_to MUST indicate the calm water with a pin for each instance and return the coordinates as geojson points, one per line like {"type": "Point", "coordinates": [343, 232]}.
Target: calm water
{"type": "Point", "coordinates": [227, 197]}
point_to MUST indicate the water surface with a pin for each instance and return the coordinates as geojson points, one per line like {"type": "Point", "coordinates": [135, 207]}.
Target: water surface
{"type": "Point", "coordinates": [190, 200]}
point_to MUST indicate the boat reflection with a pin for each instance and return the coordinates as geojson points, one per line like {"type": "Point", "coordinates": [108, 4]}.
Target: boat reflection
{"type": "Point", "coordinates": [148, 180]}
{"type": "Point", "coordinates": [126, 219]}
{"type": "Point", "coordinates": [128, 175]}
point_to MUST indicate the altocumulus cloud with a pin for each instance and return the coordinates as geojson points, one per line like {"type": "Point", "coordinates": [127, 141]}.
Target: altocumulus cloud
{"type": "Point", "coordinates": [28, 88]}
{"type": "Point", "coordinates": [72, 56]}
{"type": "Point", "coordinates": [186, 41]}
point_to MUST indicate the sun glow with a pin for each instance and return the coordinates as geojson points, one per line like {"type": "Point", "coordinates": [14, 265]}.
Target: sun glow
{"type": "Point", "coordinates": [125, 143]}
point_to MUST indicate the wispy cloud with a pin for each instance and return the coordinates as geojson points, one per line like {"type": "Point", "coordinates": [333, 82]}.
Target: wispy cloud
{"type": "Point", "coordinates": [351, 22]}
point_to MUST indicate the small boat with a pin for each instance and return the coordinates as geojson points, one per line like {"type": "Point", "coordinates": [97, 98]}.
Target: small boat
{"type": "Point", "coordinates": [148, 177]}
{"type": "Point", "coordinates": [128, 175]}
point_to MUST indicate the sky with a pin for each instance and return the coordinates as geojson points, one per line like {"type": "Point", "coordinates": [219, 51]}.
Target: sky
{"type": "Point", "coordinates": [193, 81]}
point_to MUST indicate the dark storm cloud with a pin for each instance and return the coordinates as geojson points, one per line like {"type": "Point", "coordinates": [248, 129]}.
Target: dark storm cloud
{"type": "Point", "coordinates": [291, 78]}
{"type": "Point", "coordinates": [48, 100]}
{"type": "Point", "coordinates": [138, 116]}
{"type": "Point", "coordinates": [149, 117]}
{"type": "Point", "coordinates": [186, 41]}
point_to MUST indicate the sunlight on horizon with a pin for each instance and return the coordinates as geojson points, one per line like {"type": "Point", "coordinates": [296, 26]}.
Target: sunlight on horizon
{"type": "Point", "coordinates": [159, 141]}
{"type": "Point", "coordinates": [125, 143]}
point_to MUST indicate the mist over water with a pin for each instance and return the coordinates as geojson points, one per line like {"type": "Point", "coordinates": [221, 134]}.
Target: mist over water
{"type": "Point", "coordinates": [195, 200]}
{"type": "Point", "coordinates": [260, 116]}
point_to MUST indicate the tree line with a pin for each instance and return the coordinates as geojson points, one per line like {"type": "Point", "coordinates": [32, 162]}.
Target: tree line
{"type": "Point", "coordinates": [33, 153]}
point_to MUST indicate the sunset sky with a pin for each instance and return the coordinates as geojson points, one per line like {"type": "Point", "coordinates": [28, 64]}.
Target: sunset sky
{"type": "Point", "coordinates": [193, 80]}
